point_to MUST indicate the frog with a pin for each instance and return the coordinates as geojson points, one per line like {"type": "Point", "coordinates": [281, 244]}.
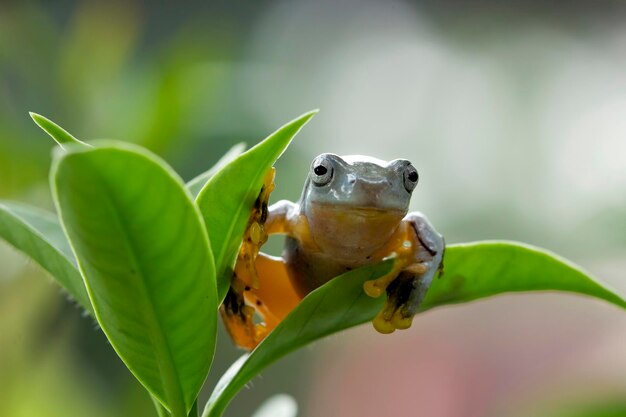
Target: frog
{"type": "Point", "coordinates": [353, 211]}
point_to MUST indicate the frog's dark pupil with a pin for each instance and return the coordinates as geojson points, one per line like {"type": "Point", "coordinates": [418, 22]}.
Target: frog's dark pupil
{"type": "Point", "coordinates": [320, 170]}
{"type": "Point", "coordinates": [412, 176]}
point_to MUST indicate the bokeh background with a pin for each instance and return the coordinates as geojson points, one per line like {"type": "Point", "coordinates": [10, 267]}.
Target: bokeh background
{"type": "Point", "coordinates": [514, 113]}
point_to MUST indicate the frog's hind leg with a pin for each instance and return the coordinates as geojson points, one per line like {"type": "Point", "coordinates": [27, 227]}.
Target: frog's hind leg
{"type": "Point", "coordinates": [238, 318]}
{"type": "Point", "coordinates": [272, 298]}
{"type": "Point", "coordinates": [275, 297]}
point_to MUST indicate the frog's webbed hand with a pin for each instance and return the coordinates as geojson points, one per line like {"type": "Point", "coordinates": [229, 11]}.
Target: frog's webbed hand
{"type": "Point", "coordinates": [413, 276]}
{"type": "Point", "coordinates": [435, 246]}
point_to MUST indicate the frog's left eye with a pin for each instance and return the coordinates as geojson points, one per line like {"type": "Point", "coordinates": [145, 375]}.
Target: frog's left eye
{"type": "Point", "coordinates": [321, 171]}
{"type": "Point", "coordinates": [410, 178]}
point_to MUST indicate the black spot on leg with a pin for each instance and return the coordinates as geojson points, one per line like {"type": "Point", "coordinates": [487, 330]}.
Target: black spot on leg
{"type": "Point", "coordinates": [400, 288]}
{"type": "Point", "coordinates": [264, 212]}
{"type": "Point", "coordinates": [230, 302]}
{"type": "Point", "coordinates": [258, 302]}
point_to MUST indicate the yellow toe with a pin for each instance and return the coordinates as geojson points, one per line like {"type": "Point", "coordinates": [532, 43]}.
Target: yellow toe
{"type": "Point", "coordinates": [372, 289]}
{"type": "Point", "coordinates": [400, 322]}
{"type": "Point", "coordinates": [383, 326]}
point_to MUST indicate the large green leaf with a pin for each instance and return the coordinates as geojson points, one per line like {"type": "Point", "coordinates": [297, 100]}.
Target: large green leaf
{"type": "Point", "coordinates": [147, 264]}
{"type": "Point", "coordinates": [38, 234]}
{"type": "Point", "coordinates": [228, 197]}
{"type": "Point", "coordinates": [472, 271]}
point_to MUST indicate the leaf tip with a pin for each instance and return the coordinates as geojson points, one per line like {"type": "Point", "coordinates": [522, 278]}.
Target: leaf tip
{"type": "Point", "coordinates": [309, 115]}
{"type": "Point", "coordinates": [56, 132]}
{"type": "Point", "coordinates": [37, 118]}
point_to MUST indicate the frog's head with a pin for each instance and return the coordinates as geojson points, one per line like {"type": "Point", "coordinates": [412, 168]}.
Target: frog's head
{"type": "Point", "coordinates": [355, 203]}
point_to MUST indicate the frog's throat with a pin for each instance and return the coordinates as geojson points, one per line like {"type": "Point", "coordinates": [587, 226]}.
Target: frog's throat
{"type": "Point", "coordinates": [352, 231]}
{"type": "Point", "coordinates": [366, 211]}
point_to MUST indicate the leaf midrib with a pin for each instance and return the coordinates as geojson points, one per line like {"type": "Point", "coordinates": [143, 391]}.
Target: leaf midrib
{"type": "Point", "coordinates": [173, 391]}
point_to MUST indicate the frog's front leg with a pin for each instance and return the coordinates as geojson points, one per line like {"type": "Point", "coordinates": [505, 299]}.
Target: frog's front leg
{"type": "Point", "coordinates": [260, 283]}
{"type": "Point", "coordinates": [419, 259]}
{"type": "Point", "coordinates": [435, 245]}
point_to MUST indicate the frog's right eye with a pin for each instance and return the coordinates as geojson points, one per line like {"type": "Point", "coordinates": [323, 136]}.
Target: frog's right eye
{"type": "Point", "coordinates": [321, 171]}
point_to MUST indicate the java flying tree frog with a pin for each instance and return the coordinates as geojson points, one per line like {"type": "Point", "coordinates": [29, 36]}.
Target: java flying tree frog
{"type": "Point", "coordinates": [352, 212]}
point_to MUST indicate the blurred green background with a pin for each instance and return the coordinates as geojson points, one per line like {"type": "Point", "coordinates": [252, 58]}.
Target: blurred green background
{"type": "Point", "coordinates": [513, 112]}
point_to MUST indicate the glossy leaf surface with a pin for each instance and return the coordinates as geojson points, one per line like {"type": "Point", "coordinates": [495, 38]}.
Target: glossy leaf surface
{"type": "Point", "coordinates": [472, 271]}
{"type": "Point", "coordinates": [38, 234]}
{"type": "Point", "coordinates": [144, 253]}
{"type": "Point", "coordinates": [228, 197]}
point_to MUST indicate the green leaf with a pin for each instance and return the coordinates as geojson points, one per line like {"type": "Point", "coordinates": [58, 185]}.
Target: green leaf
{"type": "Point", "coordinates": [227, 199]}
{"type": "Point", "coordinates": [56, 132]}
{"type": "Point", "coordinates": [146, 260]}
{"type": "Point", "coordinates": [482, 269]}
{"type": "Point", "coordinates": [472, 271]}
{"type": "Point", "coordinates": [338, 305]}
{"type": "Point", "coordinates": [161, 411]}
{"type": "Point", "coordinates": [194, 410]}
{"type": "Point", "coordinates": [195, 185]}
{"type": "Point", "coordinates": [38, 234]}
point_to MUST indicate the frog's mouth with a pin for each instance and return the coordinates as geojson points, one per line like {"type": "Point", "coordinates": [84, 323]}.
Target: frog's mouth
{"type": "Point", "coordinates": [342, 210]}
{"type": "Point", "coordinates": [339, 227]}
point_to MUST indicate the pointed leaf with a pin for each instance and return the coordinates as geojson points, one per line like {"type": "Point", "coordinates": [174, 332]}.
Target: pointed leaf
{"type": "Point", "coordinates": [146, 260]}
{"type": "Point", "coordinates": [56, 132]}
{"type": "Point", "coordinates": [472, 271]}
{"type": "Point", "coordinates": [483, 269]}
{"type": "Point", "coordinates": [38, 234]}
{"type": "Point", "coordinates": [195, 185]}
{"type": "Point", "coordinates": [227, 199]}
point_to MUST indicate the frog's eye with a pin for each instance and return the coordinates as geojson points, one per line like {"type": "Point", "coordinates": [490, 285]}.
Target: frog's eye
{"type": "Point", "coordinates": [321, 171]}
{"type": "Point", "coordinates": [410, 178]}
